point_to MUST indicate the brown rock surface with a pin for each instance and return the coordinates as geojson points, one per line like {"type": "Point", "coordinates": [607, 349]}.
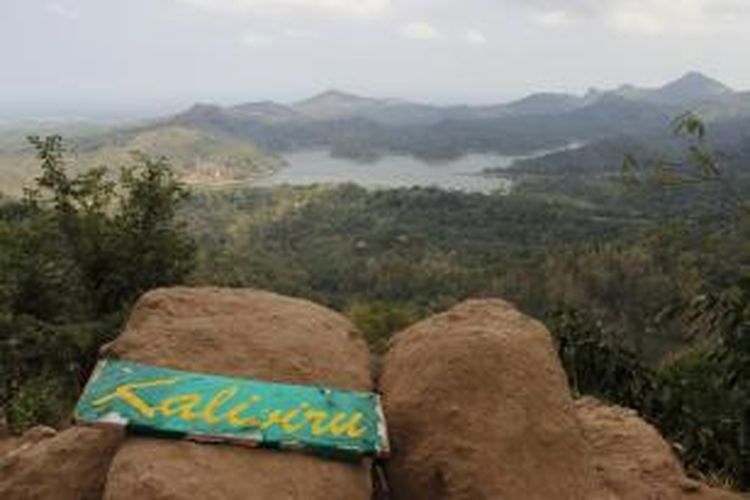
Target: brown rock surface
{"type": "Point", "coordinates": [632, 460]}
{"type": "Point", "coordinates": [478, 407]}
{"type": "Point", "coordinates": [70, 465]}
{"type": "Point", "coordinates": [238, 333]}
{"type": "Point", "coordinates": [150, 469]}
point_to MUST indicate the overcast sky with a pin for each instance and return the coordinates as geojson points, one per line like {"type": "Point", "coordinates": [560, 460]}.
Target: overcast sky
{"type": "Point", "coordinates": [130, 57]}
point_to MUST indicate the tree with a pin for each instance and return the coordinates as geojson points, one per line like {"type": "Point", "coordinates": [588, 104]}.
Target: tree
{"type": "Point", "coordinates": [123, 236]}
{"type": "Point", "coordinates": [721, 317]}
{"type": "Point", "coordinates": [74, 254]}
{"type": "Point", "coordinates": [725, 316]}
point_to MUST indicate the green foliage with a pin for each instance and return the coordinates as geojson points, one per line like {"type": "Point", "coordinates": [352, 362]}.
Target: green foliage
{"type": "Point", "coordinates": [699, 166]}
{"type": "Point", "coordinates": [75, 253]}
{"type": "Point", "coordinates": [122, 237]}
{"type": "Point", "coordinates": [345, 244]}
{"type": "Point", "coordinates": [41, 364]}
{"type": "Point", "coordinates": [700, 399]}
{"type": "Point", "coordinates": [725, 317]}
{"type": "Point", "coordinates": [596, 365]}
{"type": "Point", "coordinates": [378, 320]}
{"type": "Point", "coordinates": [688, 398]}
{"type": "Point", "coordinates": [42, 400]}
{"type": "Point", "coordinates": [697, 415]}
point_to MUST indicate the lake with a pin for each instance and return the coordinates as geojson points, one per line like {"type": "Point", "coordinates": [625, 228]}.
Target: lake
{"type": "Point", "coordinates": [462, 174]}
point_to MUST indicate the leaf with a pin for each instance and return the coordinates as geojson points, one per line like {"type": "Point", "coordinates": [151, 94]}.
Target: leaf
{"type": "Point", "coordinates": [708, 167]}
{"type": "Point", "coordinates": [690, 124]}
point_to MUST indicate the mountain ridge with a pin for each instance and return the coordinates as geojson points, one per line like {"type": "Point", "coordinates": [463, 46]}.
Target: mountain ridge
{"type": "Point", "coordinates": [692, 88]}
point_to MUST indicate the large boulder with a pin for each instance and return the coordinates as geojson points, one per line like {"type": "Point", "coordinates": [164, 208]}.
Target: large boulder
{"type": "Point", "coordinates": [632, 460]}
{"type": "Point", "coordinates": [248, 334]}
{"type": "Point", "coordinates": [70, 465]}
{"type": "Point", "coordinates": [478, 407]}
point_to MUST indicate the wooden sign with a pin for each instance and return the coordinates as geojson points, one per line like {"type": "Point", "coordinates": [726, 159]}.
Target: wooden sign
{"type": "Point", "coordinates": [340, 424]}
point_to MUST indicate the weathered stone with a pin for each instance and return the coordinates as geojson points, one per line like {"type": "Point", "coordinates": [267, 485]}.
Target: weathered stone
{"type": "Point", "coordinates": [479, 408]}
{"type": "Point", "coordinates": [71, 465]}
{"type": "Point", "coordinates": [248, 334]}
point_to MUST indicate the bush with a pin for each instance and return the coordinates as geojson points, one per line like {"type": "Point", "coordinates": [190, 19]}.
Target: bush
{"type": "Point", "coordinates": [74, 254]}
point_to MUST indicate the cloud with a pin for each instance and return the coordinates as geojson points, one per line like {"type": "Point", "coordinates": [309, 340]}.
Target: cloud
{"type": "Point", "coordinates": [475, 37]}
{"type": "Point", "coordinates": [419, 31]}
{"type": "Point", "coordinates": [554, 18]}
{"type": "Point", "coordinates": [348, 7]}
{"type": "Point", "coordinates": [641, 17]}
{"type": "Point", "coordinates": [637, 22]}
{"type": "Point", "coordinates": [255, 40]}
{"type": "Point", "coordinates": [63, 11]}
{"type": "Point", "coordinates": [296, 34]}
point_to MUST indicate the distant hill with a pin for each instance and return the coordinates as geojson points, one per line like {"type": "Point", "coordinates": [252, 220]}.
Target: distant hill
{"type": "Point", "coordinates": [335, 105]}
{"type": "Point", "coordinates": [544, 104]}
{"type": "Point", "coordinates": [356, 126]}
{"type": "Point", "coordinates": [729, 138]}
{"type": "Point", "coordinates": [692, 88]}
{"type": "Point", "coordinates": [199, 157]}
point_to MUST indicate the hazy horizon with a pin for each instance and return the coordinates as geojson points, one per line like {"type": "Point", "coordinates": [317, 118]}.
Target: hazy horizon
{"type": "Point", "coordinates": [101, 59]}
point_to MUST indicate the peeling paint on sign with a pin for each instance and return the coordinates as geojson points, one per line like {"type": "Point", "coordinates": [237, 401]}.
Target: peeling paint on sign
{"type": "Point", "coordinates": [339, 424]}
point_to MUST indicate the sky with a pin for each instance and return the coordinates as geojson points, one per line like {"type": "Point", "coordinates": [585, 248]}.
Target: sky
{"type": "Point", "coordinates": [129, 58]}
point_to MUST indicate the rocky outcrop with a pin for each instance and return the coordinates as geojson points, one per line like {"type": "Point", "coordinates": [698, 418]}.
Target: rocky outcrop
{"type": "Point", "coordinates": [478, 407]}
{"type": "Point", "coordinates": [248, 334]}
{"type": "Point", "coordinates": [477, 404]}
{"type": "Point", "coordinates": [69, 465]}
{"type": "Point", "coordinates": [632, 460]}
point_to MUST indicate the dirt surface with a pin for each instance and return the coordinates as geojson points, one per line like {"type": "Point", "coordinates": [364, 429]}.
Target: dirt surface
{"type": "Point", "coordinates": [249, 334]}
{"type": "Point", "coordinates": [70, 465]}
{"type": "Point", "coordinates": [632, 460]}
{"type": "Point", "coordinates": [478, 407]}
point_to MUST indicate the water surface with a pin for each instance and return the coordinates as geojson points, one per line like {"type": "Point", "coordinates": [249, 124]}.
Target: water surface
{"type": "Point", "coordinates": [392, 171]}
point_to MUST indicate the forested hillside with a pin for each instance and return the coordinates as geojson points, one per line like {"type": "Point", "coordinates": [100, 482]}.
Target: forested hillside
{"type": "Point", "coordinates": [199, 158]}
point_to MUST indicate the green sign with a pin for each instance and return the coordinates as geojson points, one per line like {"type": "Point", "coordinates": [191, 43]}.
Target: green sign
{"type": "Point", "coordinates": [335, 423]}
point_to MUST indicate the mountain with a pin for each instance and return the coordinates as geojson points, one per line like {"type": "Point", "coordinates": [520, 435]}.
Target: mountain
{"type": "Point", "coordinates": [267, 111]}
{"type": "Point", "coordinates": [693, 87]}
{"type": "Point", "coordinates": [334, 104]}
{"type": "Point", "coordinates": [724, 107]}
{"type": "Point", "coordinates": [337, 106]}
{"type": "Point", "coordinates": [545, 104]}
{"type": "Point", "coordinates": [354, 126]}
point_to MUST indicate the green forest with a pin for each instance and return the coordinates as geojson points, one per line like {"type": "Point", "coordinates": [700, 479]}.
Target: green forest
{"type": "Point", "coordinates": [642, 275]}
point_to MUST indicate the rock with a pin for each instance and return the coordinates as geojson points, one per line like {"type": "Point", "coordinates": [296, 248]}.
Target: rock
{"type": "Point", "coordinates": [38, 433]}
{"type": "Point", "coordinates": [478, 407]}
{"type": "Point", "coordinates": [70, 465]}
{"type": "Point", "coordinates": [151, 469]}
{"type": "Point", "coordinates": [11, 446]}
{"type": "Point", "coordinates": [4, 427]}
{"type": "Point", "coordinates": [632, 460]}
{"type": "Point", "coordinates": [249, 334]}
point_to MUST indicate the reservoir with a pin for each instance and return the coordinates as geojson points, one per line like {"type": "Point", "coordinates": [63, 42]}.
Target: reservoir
{"type": "Point", "coordinates": [393, 171]}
